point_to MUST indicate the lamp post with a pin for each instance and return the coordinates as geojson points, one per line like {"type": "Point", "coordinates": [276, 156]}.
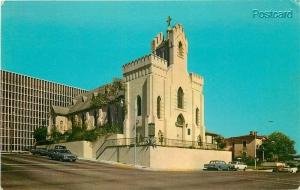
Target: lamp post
{"type": "Point", "coordinates": [263, 154]}
{"type": "Point", "coordinates": [255, 149]}
{"type": "Point", "coordinates": [135, 123]}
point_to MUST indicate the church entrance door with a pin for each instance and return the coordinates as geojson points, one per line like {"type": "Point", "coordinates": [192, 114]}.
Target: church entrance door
{"type": "Point", "coordinates": [180, 123]}
{"type": "Point", "coordinates": [179, 133]}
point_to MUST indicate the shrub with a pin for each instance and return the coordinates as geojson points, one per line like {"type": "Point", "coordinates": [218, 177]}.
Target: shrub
{"type": "Point", "coordinates": [40, 135]}
{"type": "Point", "coordinates": [90, 135]}
{"type": "Point", "coordinates": [77, 134]}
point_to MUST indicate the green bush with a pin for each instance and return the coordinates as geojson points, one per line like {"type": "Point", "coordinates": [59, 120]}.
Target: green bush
{"type": "Point", "coordinates": [80, 133]}
{"type": "Point", "coordinates": [77, 134]}
{"type": "Point", "coordinates": [90, 135]}
{"type": "Point", "coordinates": [114, 128]}
{"type": "Point", "coordinates": [40, 135]}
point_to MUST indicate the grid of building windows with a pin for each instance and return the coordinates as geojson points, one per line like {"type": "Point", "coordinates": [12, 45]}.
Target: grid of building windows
{"type": "Point", "coordinates": [25, 106]}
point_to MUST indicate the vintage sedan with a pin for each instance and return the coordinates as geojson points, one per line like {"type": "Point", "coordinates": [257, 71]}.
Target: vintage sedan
{"type": "Point", "coordinates": [62, 155]}
{"type": "Point", "coordinates": [288, 168]}
{"type": "Point", "coordinates": [217, 165]}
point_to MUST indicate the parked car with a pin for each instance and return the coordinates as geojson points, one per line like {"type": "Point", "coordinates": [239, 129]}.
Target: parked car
{"type": "Point", "coordinates": [287, 168]}
{"type": "Point", "coordinates": [51, 153]}
{"type": "Point", "coordinates": [33, 151]}
{"type": "Point", "coordinates": [237, 165]}
{"type": "Point", "coordinates": [62, 155]}
{"type": "Point", "coordinates": [39, 151]}
{"type": "Point", "coordinates": [218, 165]}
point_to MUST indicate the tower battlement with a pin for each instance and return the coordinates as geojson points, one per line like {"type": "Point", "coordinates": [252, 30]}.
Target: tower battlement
{"type": "Point", "coordinates": [143, 61]}
{"type": "Point", "coordinates": [157, 41]}
{"type": "Point", "coordinates": [196, 78]}
{"type": "Point", "coordinates": [178, 27]}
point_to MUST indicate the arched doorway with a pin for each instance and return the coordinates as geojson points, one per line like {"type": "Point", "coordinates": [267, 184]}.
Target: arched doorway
{"type": "Point", "coordinates": [180, 123]}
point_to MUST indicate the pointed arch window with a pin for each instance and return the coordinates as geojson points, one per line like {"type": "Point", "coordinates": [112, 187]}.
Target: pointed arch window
{"type": "Point", "coordinates": [158, 107]}
{"type": "Point", "coordinates": [180, 48]}
{"type": "Point", "coordinates": [139, 105]}
{"type": "Point", "coordinates": [197, 116]}
{"type": "Point", "coordinates": [180, 95]}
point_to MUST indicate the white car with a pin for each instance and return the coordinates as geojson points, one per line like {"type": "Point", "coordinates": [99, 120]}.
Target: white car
{"type": "Point", "coordinates": [237, 165]}
{"type": "Point", "coordinates": [290, 169]}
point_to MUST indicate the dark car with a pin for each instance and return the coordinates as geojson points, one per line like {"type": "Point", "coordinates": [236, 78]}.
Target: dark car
{"type": "Point", "coordinates": [62, 155]}
{"type": "Point", "coordinates": [34, 151]}
{"type": "Point", "coordinates": [56, 147]}
{"type": "Point", "coordinates": [218, 165]}
{"type": "Point", "coordinates": [39, 151]}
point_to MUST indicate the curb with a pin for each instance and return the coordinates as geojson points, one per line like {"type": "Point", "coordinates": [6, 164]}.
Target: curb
{"type": "Point", "coordinates": [253, 170]}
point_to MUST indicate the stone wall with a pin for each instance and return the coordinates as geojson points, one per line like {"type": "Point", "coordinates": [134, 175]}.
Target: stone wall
{"type": "Point", "coordinates": [85, 149]}
{"type": "Point", "coordinates": [126, 155]}
{"type": "Point", "coordinates": [184, 159]}
{"type": "Point", "coordinates": [165, 158]}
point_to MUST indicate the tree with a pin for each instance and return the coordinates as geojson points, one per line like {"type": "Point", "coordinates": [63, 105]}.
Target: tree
{"type": "Point", "coordinates": [99, 100]}
{"type": "Point", "coordinates": [278, 147]}
{"type": "Point", "coordinates": [40, 135]}
{"type": "Point", "coordinates": [220, 142]}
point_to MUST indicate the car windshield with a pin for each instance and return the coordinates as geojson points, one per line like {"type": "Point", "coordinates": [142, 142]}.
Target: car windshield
{"type": "Point", "coordinates": [60, 147]}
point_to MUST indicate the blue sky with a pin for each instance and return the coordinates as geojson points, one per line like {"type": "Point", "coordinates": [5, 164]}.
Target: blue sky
{"type": "Point", "coordinates": [251, 65]}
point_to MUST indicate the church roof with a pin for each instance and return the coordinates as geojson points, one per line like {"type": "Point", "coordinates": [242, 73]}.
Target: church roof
{"type": "Point", "coordinates": [84, 101]}
{"type": "Point", "coordinates": [60, 110]}
{"type": "Point", "coordinates": [211, 133]}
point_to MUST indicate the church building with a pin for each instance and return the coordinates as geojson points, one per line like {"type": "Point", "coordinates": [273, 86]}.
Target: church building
{"type": "Point", "coordinates": [162, 98]}
{"type": "Point", "coordinates": [159, 90]}
{"type": "Point", "coordinates": [157, 102]}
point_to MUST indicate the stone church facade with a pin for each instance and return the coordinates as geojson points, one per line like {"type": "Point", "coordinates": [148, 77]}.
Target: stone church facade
{"type": "Point", "coordinates": [157, 91]}
{"type": "Point", "coordinates": [160, 91]}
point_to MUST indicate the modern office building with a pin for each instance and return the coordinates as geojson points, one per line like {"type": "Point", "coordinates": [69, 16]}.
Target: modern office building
{"type": "Point", "coordinates": [25, 106]}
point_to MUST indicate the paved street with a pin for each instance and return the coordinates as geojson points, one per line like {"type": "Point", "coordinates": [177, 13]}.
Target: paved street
{"type": "Point", "coordinates": [33, 172]}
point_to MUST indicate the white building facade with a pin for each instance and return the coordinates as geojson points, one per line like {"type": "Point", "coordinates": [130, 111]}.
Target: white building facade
{"type": "Point", "coordinates": [159, 91]}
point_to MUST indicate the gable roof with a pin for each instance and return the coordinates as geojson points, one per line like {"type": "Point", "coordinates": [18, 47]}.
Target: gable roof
{"type": "Point", "coordinates": [60, 110]}
{"type": "Point", "coordinates": [247, 138]}
{"type": "Point", "coordinates": [211, 133]}
{"type": "Point", "coordinates": [84, 101]}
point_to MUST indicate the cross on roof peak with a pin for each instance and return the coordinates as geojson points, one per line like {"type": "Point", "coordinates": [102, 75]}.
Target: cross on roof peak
{"type": "Point", "coordinates": [169, 21]}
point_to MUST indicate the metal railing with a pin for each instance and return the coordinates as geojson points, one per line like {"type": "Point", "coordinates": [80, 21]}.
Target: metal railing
{"type": "Point", "coordinates": [185, 144]}
{"type": "Point", "coordinates": [114, 143]}
{"type": "Point", "coordinates": [147, 141]}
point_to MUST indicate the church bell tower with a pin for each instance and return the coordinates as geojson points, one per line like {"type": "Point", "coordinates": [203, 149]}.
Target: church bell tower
{"type": "Point", "coordinates": [174, 48]}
